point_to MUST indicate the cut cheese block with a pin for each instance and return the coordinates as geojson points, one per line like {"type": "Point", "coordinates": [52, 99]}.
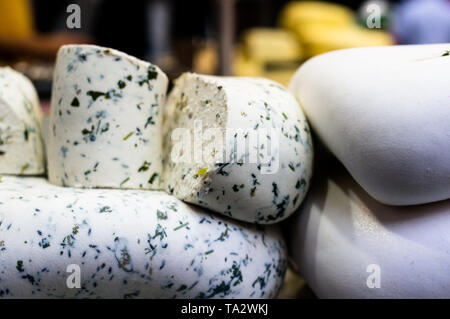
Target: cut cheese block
{"type": "Point", "coordinates": [128, 244]}
{"type": "Point", "coordinates": [347, 245]}
{"type": "Point", "coordinates": [270, 45]}
{"type": "Point", "coordinates": [384, 112]}
{"type": "Point", "coordinates": [21, 144]}
{"type": "Point", "coordinates": [238, 146]}
{"type": "Point", "coordinates": [105, 122]}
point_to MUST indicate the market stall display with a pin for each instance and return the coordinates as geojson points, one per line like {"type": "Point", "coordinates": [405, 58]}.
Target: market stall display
{"type": "Point", "coordinates": [138, 187]}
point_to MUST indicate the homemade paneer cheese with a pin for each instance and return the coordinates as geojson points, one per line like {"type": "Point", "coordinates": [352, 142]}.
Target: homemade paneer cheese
{"type": "Point", "coordinates": [106, 120]}
{"type": "Point", "coordinates": [21, 144]}
{"type": "Point", "coordinates": [237, 146]}
{"type": "Point", "coordinates": [61, 242]}
{"type": "Point", "coordinates": [346, 244]}
{"type": "Point", "coordinates": [385, 114]}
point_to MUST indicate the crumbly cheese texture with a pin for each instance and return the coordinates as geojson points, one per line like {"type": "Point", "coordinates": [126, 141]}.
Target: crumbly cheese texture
{"type": "Point", "coordinates": [21, 144]}
{"type": "Point", "coordinates": [128, 244]}
{"type": "Point", "coordinates": [260, 180]}
{"type": "Point", "coordinates": [105, 122]}
{"type": "Point", "coordinates": [384, 113]}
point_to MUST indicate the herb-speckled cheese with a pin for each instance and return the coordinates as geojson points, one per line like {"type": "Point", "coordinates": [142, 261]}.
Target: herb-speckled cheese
{"type": "Point", "coordinates": [128, 244]}
{"type": "Point", "coordinates": [224, 179]}
{"type": "Point", "coordinates": [105, 122]}
{"type": "Point", "coordinates": [21, 144]}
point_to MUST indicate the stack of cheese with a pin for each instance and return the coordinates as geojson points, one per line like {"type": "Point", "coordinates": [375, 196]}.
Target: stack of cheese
{"type": "Point", "coordinates": [383, 231]}
{"type": "Point", "coordinates": [101, 226]}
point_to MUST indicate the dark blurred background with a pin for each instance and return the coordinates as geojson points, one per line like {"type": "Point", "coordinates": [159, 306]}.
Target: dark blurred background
{"type": "Point", "coordinates": [268, 38]}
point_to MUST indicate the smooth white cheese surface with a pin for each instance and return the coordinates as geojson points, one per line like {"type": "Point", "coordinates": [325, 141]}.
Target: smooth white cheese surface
{"type": "Point", "coordinates": [260, 179]}
{"type": "Point", "coordinates": [348, 245]}
{"type": "Point", "coordinates": [385, 113]}
{"type": "Point", "coordinates": [105, 122]}
{"type": "Point", "coordinates": [128, 244]}
{"type": "Point", "coordinates": [21, 143]}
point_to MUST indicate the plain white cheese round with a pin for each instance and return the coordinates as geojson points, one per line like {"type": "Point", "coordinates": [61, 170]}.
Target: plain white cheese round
{"type": "Point", "coordinates": [21, 144]}
{"type": "Point", "coordinates": [385, 113]}
{"type": "Point", "coordinates": [348, 245]}
{"type": "Point", "coordinates": [261, 169]}
{"type": "Point", "coordinates": [105, 122]}
{"type": "Point", "coordinates": [128, 244]}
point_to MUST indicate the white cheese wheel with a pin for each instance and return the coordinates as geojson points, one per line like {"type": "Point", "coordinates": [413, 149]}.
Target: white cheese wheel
{"type": "Point", "coordinates": [21, 144]}
{"type": "Point", "coordinates": [348, 245]}
{"type": "Point", "coordinates": [105, 122]}
{"type": "Point", "coordinates": [257, 167]}
{"type": "Point", "coordinates": [384, 112]}
{"type": "Point", "coordinates": [128, 244]}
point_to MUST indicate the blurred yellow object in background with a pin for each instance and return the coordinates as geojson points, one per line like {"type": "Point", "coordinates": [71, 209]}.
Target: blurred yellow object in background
{"type": "Point", "coordinates": [205, 59]}
{"type": "Point", "coordinates": [274, 45]}
{"type": "Point", "coordinates": [318, 39]}
{"type": "Point", "coordinates": [298, 14]}
{"type": "Point", "coordinates": [321, 27]}
{"type": "Point", "coordinates": [16, 18]}
{"type": "Point", "coordinates": [269, 53]}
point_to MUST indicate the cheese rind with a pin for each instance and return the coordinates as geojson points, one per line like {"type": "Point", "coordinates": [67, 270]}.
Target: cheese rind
{"type": "Point", "coordinates": [105, 122]}
{"type": "Point", "coordinates": [128, 244]}
{"type": "Point", "coordinates": [260, 170]}
{"type": "Point", "coordinates": [364, 249]}
{"type": "Point", "coordinates": [384, 113]}
{"type": "Point", "coordinates": [21, 144]}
